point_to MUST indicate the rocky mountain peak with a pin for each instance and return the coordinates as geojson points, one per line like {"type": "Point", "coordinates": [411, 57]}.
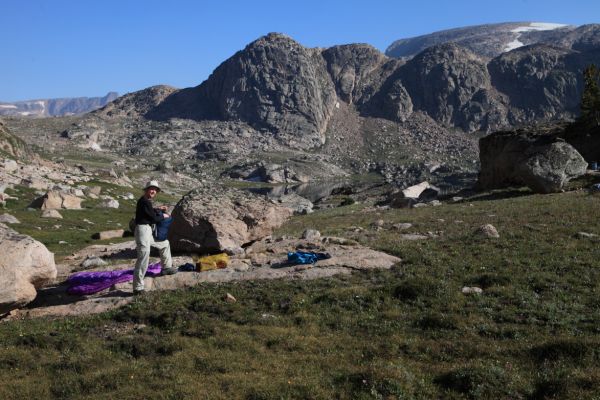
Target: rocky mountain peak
{"type": "Point", "coordinates": [274, 84]}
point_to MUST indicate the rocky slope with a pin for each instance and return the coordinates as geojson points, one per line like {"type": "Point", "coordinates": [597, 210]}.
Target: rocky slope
{"type": "Point", "coordinates": [10, 145]}
{"type": "Point", "coordinates": [55, 107]}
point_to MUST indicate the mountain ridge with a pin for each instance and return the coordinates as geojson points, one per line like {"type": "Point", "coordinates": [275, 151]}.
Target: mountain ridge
{"type": "Point", "coordinates": [55, 107]}
{"type": "Point", "coordinates": [277, 85]}
{"type": "Point", "coordinates": [489, 40]}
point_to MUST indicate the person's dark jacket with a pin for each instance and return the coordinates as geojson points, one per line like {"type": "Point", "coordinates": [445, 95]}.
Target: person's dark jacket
{"type": "Point", "coordinates": [145, 214]}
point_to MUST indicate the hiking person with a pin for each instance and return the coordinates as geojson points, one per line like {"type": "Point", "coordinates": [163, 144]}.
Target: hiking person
{"type": "Point", "coordinates": [145, 217]}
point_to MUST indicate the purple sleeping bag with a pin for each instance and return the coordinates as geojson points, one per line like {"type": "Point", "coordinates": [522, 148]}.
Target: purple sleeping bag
{"type": "Point", "coordinates": [90, 282]}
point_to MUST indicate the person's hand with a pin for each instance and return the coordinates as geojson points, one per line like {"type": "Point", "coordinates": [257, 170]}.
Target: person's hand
{"type": "Point", "coordinates": [163, 208]}
{"type": "Point", "coordinates": [165, 215]}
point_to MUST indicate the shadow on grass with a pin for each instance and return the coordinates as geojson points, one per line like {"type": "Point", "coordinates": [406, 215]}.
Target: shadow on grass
{"type": "Point", "coordinates": [501, 194]}
{"type": "Point", "coordinates": [58, 296]}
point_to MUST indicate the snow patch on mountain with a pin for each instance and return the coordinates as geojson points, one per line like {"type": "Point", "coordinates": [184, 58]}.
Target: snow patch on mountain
{"type": "Point", "coordinates": [533, 26]}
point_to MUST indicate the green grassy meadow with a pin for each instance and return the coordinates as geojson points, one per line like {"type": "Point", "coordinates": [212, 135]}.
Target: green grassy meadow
{"type": "Point", "coordinates": [404, 333]}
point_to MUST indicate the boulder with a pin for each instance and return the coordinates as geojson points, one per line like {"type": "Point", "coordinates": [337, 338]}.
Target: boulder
{"type": "Point", "coordinates": [414, 192]}
{"type": "Point", "coordinates": [10, 165]}
{"type": "Point", "coordinates": [487, 231]}
{"type": "Point", "coordinates": [9, 219]}
{"type": "Point", "coordinates": [94, 190]}
{"type": "Point", "coordinates": [109, 203]}
{"type": "Point", "coordinates": [25, 266]}
{"type": "Point", "coordinates": [55, 200]}
{"type": "Point", "coordinates": [222, 219]}
{"type": "Point", "coordinates": [550, 167]}
{"type": "Point", "coordinates": [51, 214]}
{"type": "Point", "coordinates": [93, 262]}
{"type": "Point", "coordinates": [35, 183]}
{"type": "Point", "coordinates": [298, 204]}
{"type": "Point", "coordinates": [311, 235]}
{"type": "Point", "coordinates": [544, 163]}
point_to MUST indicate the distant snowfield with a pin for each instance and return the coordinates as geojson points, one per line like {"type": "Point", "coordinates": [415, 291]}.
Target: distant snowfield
{"type": "Point", "coordinates": [534, 26]}
{"type": "Point", "coordinates": [7, 106]}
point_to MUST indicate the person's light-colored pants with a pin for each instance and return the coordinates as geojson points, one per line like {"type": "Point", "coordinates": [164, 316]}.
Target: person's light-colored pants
{"type": "Point", "coordinates": [143, 241]}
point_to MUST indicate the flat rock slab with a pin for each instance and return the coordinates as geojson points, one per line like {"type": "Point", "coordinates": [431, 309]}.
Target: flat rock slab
{"type": "Point", "coordinates": [265, 259]}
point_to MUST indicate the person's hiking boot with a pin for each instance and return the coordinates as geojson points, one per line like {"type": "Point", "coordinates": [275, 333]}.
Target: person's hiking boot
{"type": "Point", "coordinates": [168, 271]}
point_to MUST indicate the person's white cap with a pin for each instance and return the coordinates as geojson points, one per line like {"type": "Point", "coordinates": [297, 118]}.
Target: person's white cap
{"type": "Point", "coordinates": [153, 184]}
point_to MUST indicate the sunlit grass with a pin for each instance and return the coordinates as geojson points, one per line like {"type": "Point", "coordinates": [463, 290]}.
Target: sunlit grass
{"type": "Point", "coordinates": [409, 333]}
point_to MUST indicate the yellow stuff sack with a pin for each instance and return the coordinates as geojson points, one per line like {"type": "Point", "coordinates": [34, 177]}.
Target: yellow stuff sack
{"type": "Point", "coordinates": [208, 263]}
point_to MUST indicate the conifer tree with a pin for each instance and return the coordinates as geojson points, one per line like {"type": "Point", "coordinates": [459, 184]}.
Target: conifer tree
{"type": "Point", "coordinates": [590, 98]}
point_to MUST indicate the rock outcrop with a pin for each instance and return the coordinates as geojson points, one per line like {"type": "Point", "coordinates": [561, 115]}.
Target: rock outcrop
{"type": "Point", "coordinates": [357, 70]}
{"type": "Point", "coordinates": [542, 162]}
{"type": "Point", "coordinates": [26, 265]}
{"type": "Point", "coordinates": [273, 84]}
{"type": "Point", "coordinates": [219, 219]}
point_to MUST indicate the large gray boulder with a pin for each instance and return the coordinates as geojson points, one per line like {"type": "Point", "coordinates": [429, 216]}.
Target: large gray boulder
{"type": "Point", "coordinates": [212, 219]}
{"type": "Point", "coordinates": [25, 266]}
{"type": "Point", "coordinates": [541, 162]}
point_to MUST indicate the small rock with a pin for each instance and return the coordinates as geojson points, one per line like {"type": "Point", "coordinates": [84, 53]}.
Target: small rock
{"type": "Point", "coordinates": [410, 236]}
{"type": "Point", "coordinates": [488, 231]}
{"type": "Point", "coordinates": [585, 235]}
{"type": "Point", "coordinates": [51, 213]}
{"type": "Point", "coordinates": [93, 261]}
{"type": "Point", "coordinates": [311, 234]}
{"type": "Point", "coordinates": [340, 241]}
{"type": "Point", "coordinates": [229, 298]}
{"type": "Point", "coordinates": [109, 203]}
{"type": "Point", "coordinates": [61, 241]}
{"type": "Point", "coordinates": [402, 226]}
{"type": "Point", "coordinates": [471, 290]}
{"type": "Point", "coordinates": [378, 224]}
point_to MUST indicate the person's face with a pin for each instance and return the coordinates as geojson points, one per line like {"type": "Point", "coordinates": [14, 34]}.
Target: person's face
{"type": "Point", "coordinates": [151, 192]}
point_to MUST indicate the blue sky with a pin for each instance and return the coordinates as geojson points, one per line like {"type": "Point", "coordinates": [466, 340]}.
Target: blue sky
{"type": "Point", "coordinates": [72, 48]}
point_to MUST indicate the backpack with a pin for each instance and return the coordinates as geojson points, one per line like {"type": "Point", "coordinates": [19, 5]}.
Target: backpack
{"type": "Point", "coordinates": [160, 230]}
